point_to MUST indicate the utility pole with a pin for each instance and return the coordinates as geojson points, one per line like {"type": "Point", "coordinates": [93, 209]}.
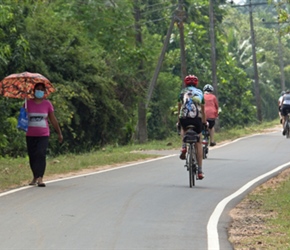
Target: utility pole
{"type": "Point", "coordinates": [280, 53]}
{"type": "Point", "coordinates": [142, 121]}
{"type": "Point", "coordinates": [213, 47]}
{"type": "Point", "coordinates": [281, 59]}
{"type": "Point", "coordinates": [158, 67]}
{"type": "Point", "coordinates": [257, 89]}
{"type": "Point", "coordinates": [256, 76]}
{"type": "Point", "coordinates": [180, 18]}
{"type": "Point", "coordinates": [213, 55]}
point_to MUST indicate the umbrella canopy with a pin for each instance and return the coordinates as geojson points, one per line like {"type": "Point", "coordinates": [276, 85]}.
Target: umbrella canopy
{"type": "Point", "coordinates": [21, 85]}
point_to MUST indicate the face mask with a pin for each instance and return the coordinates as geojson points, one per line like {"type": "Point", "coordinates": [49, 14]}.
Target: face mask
{"type": "Point", "coordinates": [39, 94]}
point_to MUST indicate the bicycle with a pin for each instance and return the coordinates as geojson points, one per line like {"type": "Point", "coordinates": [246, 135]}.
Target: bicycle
{"type": "Point", "coordinates": [205, 140]}
{"type": "Point", "coordinates": [287, 125]}
{"type": "Point", "coordinates": [190, 138]}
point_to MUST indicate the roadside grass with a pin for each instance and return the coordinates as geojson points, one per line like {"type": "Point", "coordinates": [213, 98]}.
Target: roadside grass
{"type": "Point", "coordinates": [16, 172]}
{"type": "Point", "coordinates": [273, 210]}
{"type": "Point", "coordinates": [278, 200]}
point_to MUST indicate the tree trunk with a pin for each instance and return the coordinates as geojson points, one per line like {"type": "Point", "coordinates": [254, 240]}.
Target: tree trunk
{"type": "Point", "coordinates": [142, 122]}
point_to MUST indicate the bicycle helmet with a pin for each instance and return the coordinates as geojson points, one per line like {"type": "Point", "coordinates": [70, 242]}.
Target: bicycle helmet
{"type": "Point", "coordinates": [191, 80]}
{"type": "Point", "coordinates": [283, 92]}
{"type": "Point", "coordinates": [208, 88]}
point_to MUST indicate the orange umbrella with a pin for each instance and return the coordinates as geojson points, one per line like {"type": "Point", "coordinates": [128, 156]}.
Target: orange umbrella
{"type": "Point", "coordinates": [21, 85]}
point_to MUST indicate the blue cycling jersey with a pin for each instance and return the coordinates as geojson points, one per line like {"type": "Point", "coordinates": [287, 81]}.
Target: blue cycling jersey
{"type": "Point", "coordinates": [197, 94]}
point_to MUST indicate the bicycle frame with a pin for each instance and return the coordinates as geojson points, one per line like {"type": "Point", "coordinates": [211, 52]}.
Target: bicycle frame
{"type": "Point", "coordinates": [205, 141]}
{"type": "Point", "coordinates": [190, 138]}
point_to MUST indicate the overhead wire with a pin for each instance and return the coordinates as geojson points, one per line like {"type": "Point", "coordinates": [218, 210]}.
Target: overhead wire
{"type": "Point", "coordinates": [160, 9]}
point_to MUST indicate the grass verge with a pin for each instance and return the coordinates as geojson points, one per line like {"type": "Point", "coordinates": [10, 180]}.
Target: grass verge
{"type": "Point", "coordinates": [261, 220]}
{"type": "Point", "coordinates": [16, 172]}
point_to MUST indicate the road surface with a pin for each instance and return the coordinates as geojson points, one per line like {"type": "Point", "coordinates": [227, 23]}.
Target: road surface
{"type": "Point", "coordinates": [143, 206]}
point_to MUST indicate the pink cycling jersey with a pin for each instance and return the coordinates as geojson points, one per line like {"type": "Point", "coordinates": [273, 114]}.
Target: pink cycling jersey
{"type": "Point", "coordinates": [211, 106]}
{"type": "Point", "coordinates": [37, 117]}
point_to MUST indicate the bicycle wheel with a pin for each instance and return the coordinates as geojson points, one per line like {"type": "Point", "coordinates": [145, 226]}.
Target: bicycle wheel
{"type": "Point", "coordinates": [190, 163]}
{"type": "Point", "coordinates": [194, 165]}
{"type": "Point", "coordinates": [287, 129]}
{"type": "Point", "coordinates": [204, 151]}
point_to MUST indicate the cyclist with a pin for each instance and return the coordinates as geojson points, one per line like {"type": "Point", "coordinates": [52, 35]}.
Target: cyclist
{"type": "Point", "coordinates": [211, 108]}
{"type": "Point", "coordinates": [285, 109]}
{"type": "Point", "coordinates": [191, 82]}
{"type": "Point", "coordinates": [280, 104]}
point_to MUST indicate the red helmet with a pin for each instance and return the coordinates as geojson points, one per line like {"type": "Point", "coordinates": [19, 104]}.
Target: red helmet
{"type": "Point", "coordinates": [191, 80]}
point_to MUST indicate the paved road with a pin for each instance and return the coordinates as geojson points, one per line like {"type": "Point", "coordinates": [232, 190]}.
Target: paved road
{"type": "Point", "coordinates": [146, 206]}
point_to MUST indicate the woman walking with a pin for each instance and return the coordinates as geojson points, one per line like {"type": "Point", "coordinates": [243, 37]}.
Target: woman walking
{"type": "Point", "coordinates": [39, 111]}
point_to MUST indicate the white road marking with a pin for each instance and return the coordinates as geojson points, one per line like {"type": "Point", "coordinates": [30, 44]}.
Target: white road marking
{"type": "Point", "coordinates": [212, 231]}
{"type": "Point", "coordinates": [92, 173]}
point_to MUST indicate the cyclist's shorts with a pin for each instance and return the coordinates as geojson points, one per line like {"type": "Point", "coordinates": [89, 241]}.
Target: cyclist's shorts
{"type": "Point", "coordinates": [196, 122]}
{"type": "Point", "coordinates": [285, 110]}
{"type": "Point", "coordinates": [211, 123]}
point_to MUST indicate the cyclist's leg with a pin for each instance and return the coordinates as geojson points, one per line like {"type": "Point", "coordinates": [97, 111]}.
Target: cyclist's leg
{"type": "Point", "coordinates": [183, 124]}
{"type": "Point", "coordinates": [286, 114]}
{"type": "Point", "coordinates": [199, 152]}
{"type": "Point", "coordinates": [283, 113]}
{"type": "Point", "coordinates": [198, 146]}
{"type": "Point", "coordinates": [211, 129]}
{"type": "Point", "coordinates": [280, 115]}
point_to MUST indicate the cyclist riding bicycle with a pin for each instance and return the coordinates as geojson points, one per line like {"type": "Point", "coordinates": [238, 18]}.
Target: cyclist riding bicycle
{"type": "Point", "coordinates": [285, 109]}
{"type": "Point", "coordinates": [211, 108]}
{"type": "Point", "coordinates": [195, 96]}
{"type": "Point", "coordinates": [280, 105]}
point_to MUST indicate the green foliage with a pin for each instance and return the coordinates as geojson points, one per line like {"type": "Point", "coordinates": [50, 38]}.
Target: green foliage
{"type": "Point", "coordinates": [12, 140]}
{"type": "Point", "coordinates": [89, 50]}
{"type": "Point", "coordinates": [236, 27]}
{"type": "Point", "coordinates": [161, 121]}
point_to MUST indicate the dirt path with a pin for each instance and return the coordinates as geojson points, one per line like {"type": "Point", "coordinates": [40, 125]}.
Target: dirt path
{"type": "Point", "coordinates": [248, 220]}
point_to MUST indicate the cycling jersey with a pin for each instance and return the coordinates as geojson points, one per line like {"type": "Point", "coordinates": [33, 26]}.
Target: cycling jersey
{"type": "Point", "coordinates": [286, 99]}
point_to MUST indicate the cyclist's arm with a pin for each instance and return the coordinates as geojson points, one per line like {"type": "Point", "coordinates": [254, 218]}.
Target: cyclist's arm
{"type": "Point", "coordinates": [203, 118]}
{"type": "Point", "coordinates": [217, 107]}
{"type": "Point", "coordinates": [179, 104]}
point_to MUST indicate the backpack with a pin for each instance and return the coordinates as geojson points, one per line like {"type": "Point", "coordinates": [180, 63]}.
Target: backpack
{"type": "Point", "coordinates": [189, 108]}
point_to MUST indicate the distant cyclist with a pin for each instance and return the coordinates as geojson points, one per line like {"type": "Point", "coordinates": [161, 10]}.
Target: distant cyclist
{"type": "Point", "coordinates": [280, 105]}
{"type": "Point", "coordinates": [211, 108]}
{"type": "Point", "coordinates": [189, 98]}
{"type": "Point", "coordinates": [285, 109]}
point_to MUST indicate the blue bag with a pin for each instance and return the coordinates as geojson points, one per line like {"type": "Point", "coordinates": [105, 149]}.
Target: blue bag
{"type": "Point", "coordinates": [22, 120]}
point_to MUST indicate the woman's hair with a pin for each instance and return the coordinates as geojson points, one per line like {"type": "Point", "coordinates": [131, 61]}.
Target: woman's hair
{"type": "Point", "coordinates": [39, 83]}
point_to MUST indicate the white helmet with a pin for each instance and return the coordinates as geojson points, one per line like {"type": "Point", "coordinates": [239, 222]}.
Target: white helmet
{"type": "Point", "coordinates": [208, 88]}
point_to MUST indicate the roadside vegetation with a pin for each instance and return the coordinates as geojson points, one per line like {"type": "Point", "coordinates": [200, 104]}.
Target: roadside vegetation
{"type": "Point", "coordinates": [261, 220]}
{"type": "Point", "coordinates": [101, 58]}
